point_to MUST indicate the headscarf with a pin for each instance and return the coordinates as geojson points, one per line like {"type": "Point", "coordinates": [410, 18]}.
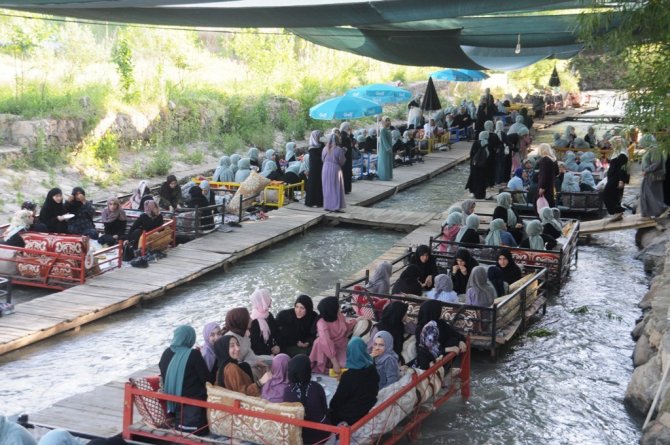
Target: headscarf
{"type": "Point", "coordinates": [234, 159]}
{"type": "Point", "coordinates": [51, 207]}
{"type": "Point", "coordinates": [223, 358]}
{"type": "Point", "coordinates": [652, 153]}
{"type": "Point", "coordinates": [269, 153]}
{"type": "Point", "coordinates": [300, 375]}
{"type": "Point", "coordinates": [511, 272]}
{"type": "Point", "coordinates": [484, 141]}
{"type": "Point", "coordinates": [289, 150]}
{"type": "Point", "coordinates": [195, 192]}
{"type": "Point", "coordinates": [493, 238]}
{"type": "Point", "coordinates": [380, 281]}
{"type": "Point", "coordinates": [488, 126]}
{"type": "Point", "coordinates": [480, 283]}
{"type": "Point", "coordinates": [467, 206]}
{"type": "Point", "coordinates": [268, 167]}
{"type": "Point", "coordinates": [389, 348]}
{"type": "Point", "coordinates": [138, 193]}
{"type": "Point", "coordinates": [108, 216]}
{"type": "Point", "coordinates": [547, 217]}
{"type": "Point", "coordinates": [237, 321]}
{"type": "Point", "coordinates": [243, 170]}
{"type": "Point", "coordinates": [408, 282]}
{"type": "Point", "coordinates": [332, 142]}
{"type": "Point", "coordinates": [545, 150]}
{"type": "Point", "coordinates": [534, 230]}
{"type": "Point", "coordinates": [453, 219]}
{"type": "Point", "coordinates": [329, 309]}
{"type": "Point", "coordinates": [224, 173]}
{"type": "Point", "coordinates": [443, 283]}
{"type": "Point", "coordinates": [12, 433]}
{"type": "Point", "coordinates": [570, 183]}
{"type": "Point", "coordinates": [392, 322]}
{"type": "Point", "coordinates": [207, 348]}
{"type": "Point", "coordinates": [357, 354]}
{"type": "Point", "coordinates": [516, 126]}
{"type": "Point", "coordinates": [588, 160]}
{"type": "Point", "coordinates": [430, 310]}
{"type": "Point", "coordinates": [304, 164]}
{"type": "Point", "coordinates": [314, 138]}
{"type": "Point", "coordinates": [580, 143]}
{"type": "Point", "coordinates": [471, 222]}
{"type": "Point", "coordinates": [570, 161]}
{"type": "Point", "coordinates": [273, 390]}
{"type": "Point", "coordinates": [252, 154]}
{"type": "Point", "coordinates": [294, 167]}
{"type": "Point", "coordinates": [587, 178]}
{"type": "Point", "coordinates": [500, 127]}
{"type": "Point", "coordinates": [20, 221]}
{"type": "Point", "coordinates": [464, 254]}
{"type": "Point", "coordinates": [429, 339]}
{"type": "Point", "coordinates": [495, 276]}
{"type": "Point", "coordinates": [504, 200]}
{"type": "Point", "coordinates": [345, 127]}
{"type": "Point", "coordinates": [173, 381]}
{"type": "Point", "coordinates": [151, 208]}
{"type": "Point", "coordinates": [519, 172]}
{"type": "Point", "coordinates": [457, 209]}
{"type": "Point", "coordinates": [557, 213]}
{"type": "Point", "coordinates": [260, 304]}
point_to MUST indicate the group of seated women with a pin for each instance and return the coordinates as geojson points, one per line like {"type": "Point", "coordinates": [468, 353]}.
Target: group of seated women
{"type": "Point", "coordinates": [270, 357]}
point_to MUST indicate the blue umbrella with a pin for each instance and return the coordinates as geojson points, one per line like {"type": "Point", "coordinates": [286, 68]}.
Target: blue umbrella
{"type": "Point", "coordinates": [344, 107]}
{"type": "Point", "coordinates": [460, 75]}
{"type": "Point", "coordinates": [381, 93]}
{"type": "Point", "coordinates": [476, 75]}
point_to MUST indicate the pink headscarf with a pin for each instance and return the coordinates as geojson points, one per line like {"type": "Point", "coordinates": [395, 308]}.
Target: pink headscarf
{"type": "Point", "coordinates": [260, 303]}
{"type": "Point", "coordinates": [273, 390]}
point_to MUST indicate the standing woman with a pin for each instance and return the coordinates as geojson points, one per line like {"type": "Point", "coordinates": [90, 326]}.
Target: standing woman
{"type": "Point", "coordinates": [503, 157]}
{"type": "Point", "coordinates": [332, 181]}
{"type": "Point", "coordinates": [297, 327]}
{"type": "Point", "coordinates": [184, 373]}
{"type": "Point", "coordinates": [52, 212]}
{"type": "Point", "coordinates": [253, 154]}
{"type": "Point", "coordinates": [170, 194]}
{"type": "Point", "coordinates": [617, 178]}
{"type": "Point", "coordinates": [548, 170]}
{"type": "Point", "coordinates": [263, 331]}
{"type": "Point", "coordinates": [347, 143]}
{"type": "Point", "coordinates": [314, 188]}
{"type": "Point", "coordinates": [385, 152]}
{"type": "Point", "coordinates": [479, 155]}
{"type": "Point", "coordinates": [330, 346]}
{"type": "Point", "coordinates": [494, 147]}
{"type": "Point", "coordinates": [653, 169]}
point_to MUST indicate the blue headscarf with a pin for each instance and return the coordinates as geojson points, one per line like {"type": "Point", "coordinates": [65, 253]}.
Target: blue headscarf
{"type": "Point", "coordinates": [471, 222]}
{"type": "Point", "coordinates": [244, 170]}
{"type": "Point", "coordinates": [570, 183]}
{"type": "Point", "coordinates": [234, 159]}
{"type": "Point", "coordinates": [493, 238]}
{"type": "Point", "coordinates": [587, 178]}
{"type": "Point", "coordinates": [182, 342]}
{"type": "Point", "coordinates": [534, 230]}
{"type": "Point", "coordinates": [224, 172]}
{"type": "Point", "coordinates": [357, 354]}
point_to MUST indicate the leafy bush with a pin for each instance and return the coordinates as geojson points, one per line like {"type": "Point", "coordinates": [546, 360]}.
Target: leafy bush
{"type": "Point", "coordinates": [160, 163]}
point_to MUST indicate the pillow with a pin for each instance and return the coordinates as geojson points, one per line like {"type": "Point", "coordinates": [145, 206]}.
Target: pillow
{"type": "Point", "coordinates": [368, 306]}
{"type": "Point", "coordinates": [362, 328]}
{"type": "Point", "coordinates": [248, 189]}
{"type": "Point", "coordinates": [152, 410]}
{"type": "Point", "coordinates": [253, 429]}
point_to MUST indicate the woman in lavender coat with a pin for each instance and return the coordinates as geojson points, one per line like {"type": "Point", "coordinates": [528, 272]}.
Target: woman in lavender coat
{"type": "Point", "coordinates": [332, 181]}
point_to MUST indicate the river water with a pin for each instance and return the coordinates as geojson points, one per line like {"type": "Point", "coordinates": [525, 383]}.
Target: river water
{"type": "Point", "coordinates": [565, 388]}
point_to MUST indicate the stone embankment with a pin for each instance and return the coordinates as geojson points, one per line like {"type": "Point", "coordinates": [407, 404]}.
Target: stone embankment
{"type": "Point", "coordinates": [651, 356]}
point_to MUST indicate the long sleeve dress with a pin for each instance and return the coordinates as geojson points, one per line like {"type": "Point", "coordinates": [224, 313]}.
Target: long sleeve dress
{"type": "Point", "coordinates": [348, 161]}
{"type": "Point", "coordinates": [356, 394]}
{"type": "Point", "coordinates": [331, 341]}
{"type": "Point", "coordinates": [331, 178]}
{"type": "Point", "coordinates": [385, 155]}
{"type": "Point", "coordinates": [548, 170]}
{"type": "Point", "coordinates": [314, 187]}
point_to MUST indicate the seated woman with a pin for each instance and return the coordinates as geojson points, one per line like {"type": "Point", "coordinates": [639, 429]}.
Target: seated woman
{"type": "Point", "coordinates": [184, 373]}
{"type": "Point", "coordinates": [149, 220]}
{"type": "Point", "coordinates": [114, 219]}
{"type": "Point", "coordinates": [480, 291]}
{"type": "Point", "coordinates": [243, 170]}
{"type": "Point", "coordinates": [426, 264]}
{"type": "Point", "coordinates": [141, 194]}
{"type": "Point", "coordinates": [385, 358]}
{"type": "Point", "coordinates": [550, 226]}
{"type": "Point", "coordinates": [380, 281]}
{"type": "Point", "coordinates": [510, 270]}
{"type": "Point", "coordinates": [430, 346]}
{"type": "Point", "coordinates": [292, 174]}
{"type": "Point", "coordinates": [224, 172]}
{"type": "Point", "coordinates": [408, 282]}
{"type": "Point", "coordinates": [36, 225]}
{"type": "Point", "coordinates": [460, 272]}
{"type": "Point", "coordinates": [297, 327]}
{"type": "Point", "coordinates": [517, 181]}
{"type": "Point", "coordinates": [445, 337]}
{"type": "Point", "coordinates": [570, 183]}
{"type": "Point", "coordinates": [211, 332]}
{"type": "Point", "coordinates": [443, 290]}
{"type": "Point", "coordinates": [233, 373]}
{"type": "Point", "coordinates": [330, 346]}
{"type": "Point", "coordinates": [537, 240]}
{"type": "Point", "coordinates": [21, 221]}
{"type": "Point", "coordinates": [170, 194]}
{"type": "Point", "coordinates": [263, 331]}
{"type": "Point", "coordinates": [270, 170]}
{"type": "Point", "coordinates": [506, 212]}
{"type": "Point", "coordinates": [312, 396]}
{"type": "Point", "coordinates": [289, 152]}
{"type": "Point", "coordinates": [52, 212]}
{"type": "Point", "coordinates": [207, 192]}
{"type": "Point", "coordinates": [392, 321]}
{"type": "Point", "coordinates": [82, 221]}
{"type": "Point", "coordinates": [274, 389]}
{"type": "Point", "coordinates": [586, 182]}
{"type": "Point", "coordinates": [253, 155]}
{"type": "Point", "coordinates": [495, 277]}
{"type": "Point", "coordinates": [468, 207]}
{"type": "Point", "coordinates": [356, 393]}
{"type": "Point", "coordinates": [237, 324]}
{"type": "Point", "coordinates": [450, 229]}
{"type": "Point", "coordinates": [498, 234]}
{"type": "Point", "coordinates": [468, 233]}
{"type": "Point", "coordinates": [269, 157]}
{"type": "Point", "coordinates": [196, 200]}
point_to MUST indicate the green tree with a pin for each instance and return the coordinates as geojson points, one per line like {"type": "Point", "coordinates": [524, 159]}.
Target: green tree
{"type": "Point", "coordinates": [122, 56]}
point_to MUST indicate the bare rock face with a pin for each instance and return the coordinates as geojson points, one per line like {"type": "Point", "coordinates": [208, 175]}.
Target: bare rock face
{"type": "Point", "coordinates": [658, 432]}
{"type": "Point", "coordinates": [643, 385]}
{"type": "Point", "coordinates": [642, 352]}
{"type": "Point", "coordinates": [30, 133]}
{"type": "Point", "coordinates": [130, 127]}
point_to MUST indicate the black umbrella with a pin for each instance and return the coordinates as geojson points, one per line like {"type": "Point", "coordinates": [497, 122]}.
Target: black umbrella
{"type": "Point", "coordinates": [430, 100]}
{"type": "Point", "coordinates": [554, 81]}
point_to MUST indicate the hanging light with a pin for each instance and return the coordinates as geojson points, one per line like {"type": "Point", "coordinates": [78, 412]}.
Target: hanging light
{"type": "Point", "coordinates": [517, 50]}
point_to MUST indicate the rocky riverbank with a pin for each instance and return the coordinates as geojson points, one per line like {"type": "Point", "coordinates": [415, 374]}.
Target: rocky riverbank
{"type": "Point", "coordinates": [652, 335]}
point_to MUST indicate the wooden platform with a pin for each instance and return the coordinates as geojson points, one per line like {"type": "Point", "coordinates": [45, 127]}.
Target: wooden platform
{"type": "Point", "coordinates": [607, 225]}
{"type": "Point", "coordinates": [383, 218]}
{"type": "Point", "coordinates": [116, 290]}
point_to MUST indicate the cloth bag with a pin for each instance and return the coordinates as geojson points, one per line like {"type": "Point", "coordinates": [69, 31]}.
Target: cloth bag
{"type": "Point", "coordinates": [541, 203]}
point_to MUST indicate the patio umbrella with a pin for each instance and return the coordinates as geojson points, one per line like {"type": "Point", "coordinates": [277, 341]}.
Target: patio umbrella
{"type": "Point", "coordinates": [474, 74]}
{"type": "Point", "coordinates": [452, 75]}
{"type": "Point", "coordinates": [554, 80]}
{"type": "Point", "coordinates": [430, 100]}
{"type": "Point", "coordinates": [344, 107]}
{"type": "Point", "coordinates": [380, 93]}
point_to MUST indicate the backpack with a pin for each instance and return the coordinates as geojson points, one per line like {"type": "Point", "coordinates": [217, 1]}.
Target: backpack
{"type": "Point", "coordinates": [479, 158]}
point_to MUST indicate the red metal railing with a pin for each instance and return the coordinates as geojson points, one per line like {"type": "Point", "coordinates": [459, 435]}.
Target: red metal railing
{"type": "Point", "coordinates": [408, 427]}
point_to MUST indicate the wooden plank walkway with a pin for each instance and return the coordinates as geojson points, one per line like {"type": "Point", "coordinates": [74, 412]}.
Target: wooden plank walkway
{"type": "Point", "coordinates": [607, 225]}
{"type": "Point", "coordinates": [120, 289]}
{"type": "Point", "coordinates": [384, 218]}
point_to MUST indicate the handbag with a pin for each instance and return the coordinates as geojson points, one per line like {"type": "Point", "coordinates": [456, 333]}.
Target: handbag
{"type": "Point", "coordinates": [541, 203]}
{"type": "Point", "coordinates": [128, 252]}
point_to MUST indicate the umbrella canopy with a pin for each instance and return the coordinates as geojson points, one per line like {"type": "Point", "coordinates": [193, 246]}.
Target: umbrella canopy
{"type": "Point", "coordinates": [380, 93]}
{"type": "Point", "coordinates": [344, 107]}
{"type": "Point", "coordinates": [430, 100]}
{"type": "Point", "coordinates": [459, 75]}
{"type": "Point", "coordinates": [554, 80]}
{"type": "Point", "coordinates": [476, 75]}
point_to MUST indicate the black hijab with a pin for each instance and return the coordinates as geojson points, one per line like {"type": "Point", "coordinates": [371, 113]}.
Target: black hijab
{"type": "Point", "coordinates": [427, 268]}
{"type": "Point", "coordinates": [329, 308]}
{"type": "Point", "coordinates": [408, 282]}
{"type": "Point", "coordinates": [299, 375]}
{"type": "Point", "coordinates": [305, 326]}
{"type": "Point", "coordinates": [464, 254]}
{"type": "Point", "coordinates": [51, 208]}
{"type": "Point", "coordinates": [512, 272]}
{"type": "Point", "coordinates": [495, 276]}
{"type": "Point", "coordinates": [392, 322]}
{"type": "Point", "coordinates": [223, 358]}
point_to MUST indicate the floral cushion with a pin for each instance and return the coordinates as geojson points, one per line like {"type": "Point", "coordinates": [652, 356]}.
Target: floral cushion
{"type": "Point", "coordinates": [251, 187]}
{"type": "Point", "coordinates": [152, 410]}
{"type": "Point", "coordinates": [33, 265]}
{"type": "Point", "coordinates": [249, 428]}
